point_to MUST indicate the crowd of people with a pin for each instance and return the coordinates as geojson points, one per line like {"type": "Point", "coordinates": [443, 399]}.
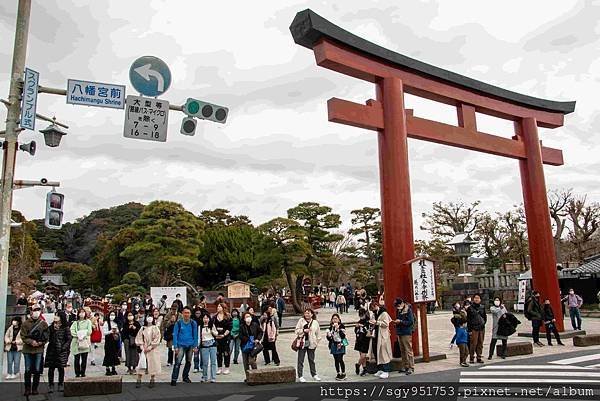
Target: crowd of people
{"type": "Point", "coordinates": [133, 336]}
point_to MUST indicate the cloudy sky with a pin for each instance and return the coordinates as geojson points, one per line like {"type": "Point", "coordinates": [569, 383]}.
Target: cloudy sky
{"type": "Point", "coordinates": [277, 148]}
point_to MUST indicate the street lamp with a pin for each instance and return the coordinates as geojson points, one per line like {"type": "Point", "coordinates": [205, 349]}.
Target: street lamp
{"type": "Point", "coordinates": [462, 247]}
{"type": "Point", "coordinates": [53, 135]}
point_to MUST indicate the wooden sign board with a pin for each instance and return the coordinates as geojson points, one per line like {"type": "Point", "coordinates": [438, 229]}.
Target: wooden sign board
{"type": "Point", "coordinates": [423, 280]}
{"type": "Point", "coordinates": [238, 290]}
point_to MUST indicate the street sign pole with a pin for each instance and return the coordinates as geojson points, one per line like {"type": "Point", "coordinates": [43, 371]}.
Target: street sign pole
{"type": "Point", "coordinates": [10, 152]}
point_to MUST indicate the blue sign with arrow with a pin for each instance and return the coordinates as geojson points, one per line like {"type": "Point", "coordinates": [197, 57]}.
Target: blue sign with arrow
{"type": "Point", "coordinates": [150, 76]}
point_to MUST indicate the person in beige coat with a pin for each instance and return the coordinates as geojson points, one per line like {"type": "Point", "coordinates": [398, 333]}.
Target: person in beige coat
{"type": "Point", "coordinates": [13, 345]}
{"type": "Point", "coordinates": [148, 339]}
{"type": "Point", "coordinates": [381, 345]}
{"type": "Point", "coordinates": [308, 329]}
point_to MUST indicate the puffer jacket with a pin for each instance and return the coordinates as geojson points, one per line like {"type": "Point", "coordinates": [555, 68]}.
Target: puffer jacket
{"type": "Point", "coordinates": [8, 339]}
{"type": "Point", "coordinates": [59, 344]}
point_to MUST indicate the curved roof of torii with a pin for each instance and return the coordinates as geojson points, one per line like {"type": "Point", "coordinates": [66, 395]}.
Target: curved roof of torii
{"type": "Point", "coordinates": [308, 28]}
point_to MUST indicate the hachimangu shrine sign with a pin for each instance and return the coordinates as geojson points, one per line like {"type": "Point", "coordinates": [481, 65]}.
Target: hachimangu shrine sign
{"type": "Point", "coordinates": [395, 74]}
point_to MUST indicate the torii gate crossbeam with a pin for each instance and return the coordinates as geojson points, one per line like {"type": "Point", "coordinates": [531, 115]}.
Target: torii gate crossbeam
{"type": "Point", "coordinates": [395, 74]}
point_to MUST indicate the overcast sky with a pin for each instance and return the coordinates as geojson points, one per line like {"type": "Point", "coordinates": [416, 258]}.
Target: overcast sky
{"type": "Point", "coordinates": [277, 148]}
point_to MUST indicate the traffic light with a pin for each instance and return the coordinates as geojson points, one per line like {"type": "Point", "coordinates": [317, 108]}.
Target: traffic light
{"type": "Point", "coordinates": [54, 210]}
{"type": "Point", "coordinates": [188, 126]}
{"type": "Point", "coordinates": [205, 111]}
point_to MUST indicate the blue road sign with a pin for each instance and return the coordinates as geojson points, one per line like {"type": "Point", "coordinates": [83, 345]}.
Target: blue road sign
{"type": "Point", "coordinates": [150, 76]}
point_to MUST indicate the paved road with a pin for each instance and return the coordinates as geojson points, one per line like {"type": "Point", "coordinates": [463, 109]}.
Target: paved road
{"type": "Point", "coordinates": [572, 372]}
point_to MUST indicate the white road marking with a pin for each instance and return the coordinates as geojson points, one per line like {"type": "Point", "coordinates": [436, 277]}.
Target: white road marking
{"type": "Point", "coordinates": [578, 359]}
{"type": "Point", "coordinates": [237, 397]}
{"type": "Point", "coordinates": [515, 367]}
{"type": "Point", "coordinates": [514, 380]}
{"type": "Point", "coordinates": [534, 373]}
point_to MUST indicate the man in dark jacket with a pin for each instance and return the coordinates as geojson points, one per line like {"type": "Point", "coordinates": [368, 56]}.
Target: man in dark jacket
{"type": "Point", "coordinates": [534, 313]}
{"type": "Point", "coordinates": [280, 303]}
{"type": "Point", "coordinates": [476, 320]}
{"type": "Point", "coordinates": [404, 322]}
{"type": "Point", "coordinates": [34, 333]}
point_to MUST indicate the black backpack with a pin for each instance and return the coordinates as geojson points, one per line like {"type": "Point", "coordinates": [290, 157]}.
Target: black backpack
{"type": "Point", "coordinates": [526, 312]}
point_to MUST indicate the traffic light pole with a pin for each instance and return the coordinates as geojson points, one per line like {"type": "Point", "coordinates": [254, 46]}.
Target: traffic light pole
{"type": "Point", "coordinates": [10, 153]}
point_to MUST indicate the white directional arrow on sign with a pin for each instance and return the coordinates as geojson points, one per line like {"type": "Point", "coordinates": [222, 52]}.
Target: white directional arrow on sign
{"type": "Point", "coordinates": [146, 72]}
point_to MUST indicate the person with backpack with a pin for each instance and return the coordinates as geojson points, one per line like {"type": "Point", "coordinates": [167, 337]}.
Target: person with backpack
{"type": "Point", "coordinates": [533, 311]}
{"type": "Point", "coordinates": [405, 323]}
{"type": "Point", "coordinates": [476, 320]}
{"type": "Point", "coordinates": [550, 323]}
{"type": "Point", "coordinates": [185, 343]}
{"type": "Point", "coordinates": [498, 310]}
{"type": "Point", "coordinates": [574, 303]}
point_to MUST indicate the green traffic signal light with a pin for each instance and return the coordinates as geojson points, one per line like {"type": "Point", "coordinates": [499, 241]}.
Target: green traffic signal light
{"type": "Point", "coordinates": [193, 107]}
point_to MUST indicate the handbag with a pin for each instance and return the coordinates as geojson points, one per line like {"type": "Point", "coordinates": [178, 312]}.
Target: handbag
{"type": "Point", "coordinates": [96, 336]}
{"type": "Point", "coordinates": [256, 350]}
{"type": "Point", "coordinates": [83, 340]}
{"type": "Point", "coordinates": [298, 343]}
{"type": "Point", "coordinates": [345, 342]}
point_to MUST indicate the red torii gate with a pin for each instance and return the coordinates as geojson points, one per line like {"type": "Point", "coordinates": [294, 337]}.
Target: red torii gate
{"type": "Point", "coordinates": [395, 74]}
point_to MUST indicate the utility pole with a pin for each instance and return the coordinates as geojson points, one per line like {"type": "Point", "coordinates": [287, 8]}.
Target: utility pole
{"type": "Point", "coordinates": [10, 153]}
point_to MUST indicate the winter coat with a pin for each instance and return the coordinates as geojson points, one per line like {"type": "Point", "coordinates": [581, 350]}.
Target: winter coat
{"type": "Point", "coordinates": [223, 326]}
{"type": "Point", "coordinates": [8, 339]}
{"type": "Point", "coordinates": [57, 353]}
{"type": "Point", "coordinates": [335, 337]}
{"type": "Point", "coordinates": [362, 340]}
{"type": "Point", "coordinates": [462, 337]}
{"type": "Point", "coordinates": [381, 345]}
{"type": "Point", "coordinates": [497, 312]}
{"type": "Point", "coordinates": [507, 324]}
{"type": "Point", "coordinates": [34, 330]}
{"type": "Point", "coordinates": [476, 317]}
{"type": "Point", "coordinates": [407, 321]}
{"type": "Point", "coordinates": [80, 326]}
{"type": "Point", "coordinates": [535, 309]}
{"type": "Point", "coordinates": [313, 336]}
{"type": "Point", "coordinates": [246, 331]}
{"type": "Point", "coordinates": [547, 314]}
{"type": "Point", "coordinates": [149, 338]}
{"type": "Point", "coordinates": [112, 350]}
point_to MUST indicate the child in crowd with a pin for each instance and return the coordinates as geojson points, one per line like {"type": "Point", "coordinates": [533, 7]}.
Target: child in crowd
{"type": "Point", "coordinates": [459, 320]}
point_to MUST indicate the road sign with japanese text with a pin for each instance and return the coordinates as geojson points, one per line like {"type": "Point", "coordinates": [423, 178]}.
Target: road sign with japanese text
{"type": "Point", "coordinates": [29, 104]}
{"type": "Point", "coordinates": [146, 118]}
{"type": "Point", "coordinates": [423, 277]}
{"type": "Point", "coordinates": [95, 94]}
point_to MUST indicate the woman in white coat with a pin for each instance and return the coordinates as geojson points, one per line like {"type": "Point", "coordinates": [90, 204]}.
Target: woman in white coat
{"type": "Point", "coordinates": [308, 329]}
{"type": "Point", "coordinates": [148, 339]}
{"type": "Point", "coordinates": [381, 345]}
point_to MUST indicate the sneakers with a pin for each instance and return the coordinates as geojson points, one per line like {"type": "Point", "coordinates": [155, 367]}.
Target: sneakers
{"type": "Point", "coordinates": [479, 360]}
{"type": "Point", "coordinates": [379, 373]}
{"type": "Point", "coordinates": [342, 376]}
{"type": "Point", "coordinates": [196, 370]}
{"type": "Point", "coordinates": [337, 377]}
{"type": "Point", "coordinates": [384, 375]}
{"type": "Point", "coordinates": [301, 379]}
{"type": "Point", "coordinates": [219, 371]}
{"type": "Point", "coordinates": [409, 371]}
{"type": "Point", "coordinates": [187, 380]}
{"type": "Point", "coordinates": [317, 378]}
{"type": "Point", "coordinates": [226, 371]}
{"type": "Point", "coordinates": [168, 365]}
{"type": "Point", "coordinates": [539, 344]}
{"type": "Point", "coordinates": [451, 345]}
{"type": "Point", "coordinates": [464, 364]}
{"type": "Point", "coordinates": [364, 372]}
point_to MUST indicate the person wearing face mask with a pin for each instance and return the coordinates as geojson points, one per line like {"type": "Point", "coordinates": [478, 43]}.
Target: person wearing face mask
{"type": "Point", "coordinates": [574, 303]}
{"type": "Point", "coordinates": [148, 339]}
{"type": "Point", "coordinates": [34, 333]}
{"type": "Point", "coordinates": [81, 332]}
{"type": "Point", "coordinates": [533, 312]}
{"type": "Point", "coordinates": [13, 345]}
{"type": "Point", "coordinates": [112, 345]}
{"type": "Point", "coordinates": [550, 323]}
{"type": "Point", "coordinates": [57, 353]}
{"type": "Point", "coordinates": [207, 334]}
{"type": "Point", "coordinates": [250, 334]}
{"type": "Point", "coordinates": [128, 335]}
{"type": "Point", "coordinates": [498, 310]}
{"type": "Point", "coordinates": [197, 354]}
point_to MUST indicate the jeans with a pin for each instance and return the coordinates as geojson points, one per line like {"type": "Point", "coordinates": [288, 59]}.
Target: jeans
{"type": "Point", "coordinates": [181, 352]}
{"type": "Point", "coordinates": [80, 364]}
{"type": "Point", "coordinates": [270, 346]}
{"type": "Point", "coordinates": [535, 323]}
{"type": "Point", "coordinates": [33, 365]}
{"type": "Point", "coordinates": [311, 361]}
{"type": "Point", "coordinates": [14, 362]}
{"type": "Point", "coordinates": [575, 318]}
{"type": "Point", "coordinates": [209, 355]}
{"type": "Point", "coordinates": [61, 375]}
{"type": "Point", "coordinates": [235, 346]}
